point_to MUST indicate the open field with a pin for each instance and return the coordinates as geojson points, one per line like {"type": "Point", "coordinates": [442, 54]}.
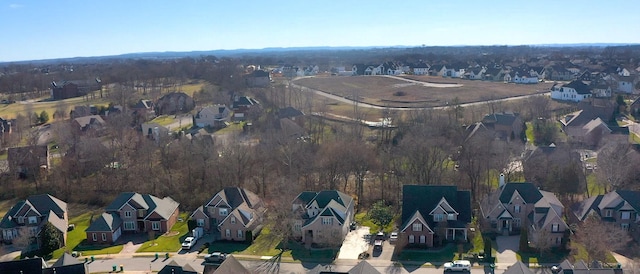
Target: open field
{"type": "Point", "coordinates": [419, 91]}
{"type": "Point", "coordinates": [9, 111]}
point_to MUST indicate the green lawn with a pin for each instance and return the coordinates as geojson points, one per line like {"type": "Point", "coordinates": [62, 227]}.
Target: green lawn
{"type": "Point", "coordinates": [163, 120]}
{"type": "Point", "coordinates": [581, 253]}
{"type": "Point", "coordinates": [267, 244]}
{"type": "Point", "coordinates": [76, 239]}
{"type": "Point", "coordinates": [553, 256]}
{"type": "Point", "coordinates": [529, 133]}
{"type": "Point", "coordinates": [170, 241]}
{"type": "Point", "coordinates": [362, 220]}
{"type": "Point", "coordinates": [593, 186]}
{"type": "Point", "coordinates": [446, 254]}
{"type": "Point", "coordinates": [634, 139]}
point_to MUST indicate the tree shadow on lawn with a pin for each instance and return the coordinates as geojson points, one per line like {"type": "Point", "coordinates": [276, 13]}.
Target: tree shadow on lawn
{"type": "Point", "coordinates": [312, 255]}
{"type": "Point", "coordinates": [227, 247]}
{"type": "Point", "coordinates": [412, 259]}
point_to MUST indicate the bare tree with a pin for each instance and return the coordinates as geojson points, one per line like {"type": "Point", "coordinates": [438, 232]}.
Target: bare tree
{"type": "Point", "coordinates": [600, 238]}
{"type": "Point", "coordinates": [616, 165]}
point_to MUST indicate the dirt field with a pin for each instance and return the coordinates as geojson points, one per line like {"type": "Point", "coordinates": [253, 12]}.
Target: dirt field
{"type": "Point", "coordinates": [417, 91]}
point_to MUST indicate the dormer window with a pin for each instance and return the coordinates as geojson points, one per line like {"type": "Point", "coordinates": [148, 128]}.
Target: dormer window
{"type": "Point", "coordinates": [233, 219]}
{"type": "Point", "coordinates": [223, 212]}
{"type": "Point", "coordinates": [33, 220]}
{"type": "Point", "coordinates": [608, 213]}
{"type": "Point", "coordinates": [451, 217]}
{"type": "Point", "coordinates": [516, 208]}
{"type": "Point", "coordinates": [438, 217]}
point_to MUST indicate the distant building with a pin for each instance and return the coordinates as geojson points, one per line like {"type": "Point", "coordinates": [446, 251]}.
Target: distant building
{"type": "Point", "coordinates": [69, 89]}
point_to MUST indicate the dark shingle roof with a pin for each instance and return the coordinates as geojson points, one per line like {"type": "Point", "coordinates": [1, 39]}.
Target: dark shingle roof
{"type": "Point", "coordinates": [106, 222]}
{"type": "Point", "coordinates": [426, 198]}
{"type": "Point", "coordinates": [164, 207]}
{"type": "Point", "coordinates": [174, 268]}
{"type": "Point", "coordinates": [632, 197]}
{"type": "Point", "coordinates": [504, 118]}
{"type": "Point", "coordinates": [579, 86]}
{"type": "Point", "coordinates": [34, 265]}
{"type": "Point", "coordinates": [529, 192]}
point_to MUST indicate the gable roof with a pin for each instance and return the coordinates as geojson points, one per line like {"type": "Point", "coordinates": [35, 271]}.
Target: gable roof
{"type": "Point", "coordinates": [106, 222]}
{"type": "Point", "coordinates": [501, 118]}
{"type": "Point", "coordinates": [579, 86]}
{"type": "Point", "coordinates": [163, 207]}
{"type": "Point", "coordinates": [231, 266]}
{"type": "Point", "coordinates": [426, 198]}
{"type": "Point", "coordinates": [528, 191]}
{"type": "Point", "coordinates": [518, 268]}
{"type": "Point", "coordinates": [330, 202]}
{"type": "Point", "coordinates": [42, 204]}
{"type": "Point", "coordinates": [289, 112]}
{"type": "Point", "coordinates": [66, 259]}
{"type": "Point", "coordinates": [363, 267]}
{"type": "Point", "coordinates": [33, 265]}
{"type": "Point", "coordinates": [174, 268]}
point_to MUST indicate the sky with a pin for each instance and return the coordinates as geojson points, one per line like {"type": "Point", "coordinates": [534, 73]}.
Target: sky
{"type": "Point", "coordinates": [43, 29]}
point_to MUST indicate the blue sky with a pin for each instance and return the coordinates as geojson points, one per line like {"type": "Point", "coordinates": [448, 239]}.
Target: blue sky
{"type": "Point", "coordinates": [37, 29]}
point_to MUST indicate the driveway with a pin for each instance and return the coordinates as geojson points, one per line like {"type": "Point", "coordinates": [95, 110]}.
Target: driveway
{"type": "Point", "coordinates": [354, 243]}
{"type": "Point", "coordinates": [386, 254]}
{"type": "Point", "coordinates": [506, 249]}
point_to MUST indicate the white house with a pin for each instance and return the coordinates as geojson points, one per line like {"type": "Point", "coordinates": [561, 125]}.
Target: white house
{"type": "Point", "coordinates": [625, 84]}
{"type": "Point", "coordinates": [213, 116]}
{"type": "Point", "coordinates": [575, 91]}
{"type": "Point", "coordinates": [525, 79]}
{"type": "Point", "coordinates": [421, 69]}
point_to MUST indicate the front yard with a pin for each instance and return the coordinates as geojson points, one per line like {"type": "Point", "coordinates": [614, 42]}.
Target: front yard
{"type": "Point", "coordinates": [267, 244]}
{"type": "Point", "coordinates": [363, 220]}
{"type": "Point", "coordinates": [76, 238]}
{"type": "Point", "coordinates": [170, 241]}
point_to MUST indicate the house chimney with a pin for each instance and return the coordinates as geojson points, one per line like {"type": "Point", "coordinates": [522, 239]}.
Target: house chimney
{"type": "Point", "coordinates": [501, 182]}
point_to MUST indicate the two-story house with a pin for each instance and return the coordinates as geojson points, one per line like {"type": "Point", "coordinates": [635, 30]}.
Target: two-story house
{"type": "Point", "coordinates": [32, 214]}
{"type": "Point", "coordinates": [29, 161]}
{"type": "Point", "coordinates": [505, 125]}
{"type": "Point", "coordinates": [621, 207]}
{"type": "Point", "coordinates": [132, 212]}
{"type": "Point", "coordinates": [233, 212]}
{"type": "Point", "coordinates": [213, 116]}
{"type": "Point", "coordinates": [322, 217]}
{"type": "Point", "coordinates": [433, 214]}
{"type": "Point", "coordinates": [575, 91]}
{"type": "Point", "coordinates": [517, 206]}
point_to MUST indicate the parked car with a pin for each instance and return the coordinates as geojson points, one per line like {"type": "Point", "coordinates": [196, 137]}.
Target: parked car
{"type": "Point", "coordinates": [380, 236]}
{"type": "Point", "coordinates": [393, 237]}
{"type": "Point", "coordinates": [377, 245]}
{"type": "Point", "coordinates": [215, 257]}
{"type": "Point", "coordinates": [188, 243]}
{"type": "Point", "coordinates": [352, 226]}
{"type": "Point", "coordinates": [459, 265]}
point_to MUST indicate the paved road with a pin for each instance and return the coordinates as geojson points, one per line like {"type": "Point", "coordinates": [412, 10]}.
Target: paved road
{"type": "Point", "coordinates": [180, 121]}
{"type": "Point", "coordinates": [361, 104]}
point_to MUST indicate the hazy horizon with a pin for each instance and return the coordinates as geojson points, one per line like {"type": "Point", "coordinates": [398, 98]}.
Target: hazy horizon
{"type": "Point", "coordinates": [49, 30]}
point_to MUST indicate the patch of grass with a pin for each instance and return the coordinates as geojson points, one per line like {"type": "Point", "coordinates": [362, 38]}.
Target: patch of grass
{"type": "Point", "coordinates": [266, 244]}
{"type": "Point", "coordinates": [76, 238]}
{"type": "Point", "coordinates": [191, 88]}
{"type": "Point", "coordinates": [529, 133]}
{"type": "Point", "coordinates": [233, 127]}
{"type": "Point", "coordinates": [228, 247]}
{"type": "Point", "coordinates": [363, 220]}
{"type": "Point", "coordinates": [553, 256]}
{"type": "Point", "coordinates": [634, 138]}
{"type": "Point", "coordinates": [446, 254]}
{"type": "Point", "coordinates": [170, 241]}
{"type": "Point", "coordinates": [12, 110]}
{"type": "Point", "coordinates": [299, 253]}
{"type": "Point", "coordinates": [163, 120]}
{"type": "Point", "coordinates": [581, 253]}
{"type": "Point", "coordinates": [593, 186]}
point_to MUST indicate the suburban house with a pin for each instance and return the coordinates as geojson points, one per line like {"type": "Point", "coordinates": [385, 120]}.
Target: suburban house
{"type": "Point", "coordinates": [454, 71]}
{"type": "Point", "coordinates": [437, 70]}
{"type": "Point", "coordinates": [32, 214]}
{"type": "Point", "coordinates": [241, 107]}
{"type": "Point", "coordinates": [516, 206]}
{"type": "Point", "coordinates": [625, 84]}
{"type": "Point", "coordinates": [231, 265]}
{"type": "Point", "coordinates": [144, 110]}
{"type": "Point", "coordinates": [590, 124]}
{"type": "Point", "coordinates": [323, 217]}
{"type": "Point", "coordinates": [575, 91]}
{"type": "Point", "coordinates": [154, 131]}
{"type": "Point", "coordinates": [600, 89]}
{"type": "Point", "coordinates": [174, 268]}
{"type": "Point", "coordinates": [91, 123]}
{"type": "Point", "coordinates": [560, 73]}
{"type": "Point", "coordinates": [213, 116]}
{"type": "Point", "coordinates": [29, 161]}
{"type": "Point", "coordinates": [475, 73]}
{"type": "Point", "coordinates": [174, 103]}
{"type": "Point", "coordinates": [236, 213]}
{"type": "Point", "coordinates": [505, 125]}
{"type": "Point", "coordinates": [132, 212]}
{"type": "Point", "coordinates": [621, 207]}
{"type": "Point", "coordinates": [524, 78]}
{"type": "Point", "coordinates": [258, 78]}
{"type": "Point", "coordinates": [80, 111]}
{"type": "Point", "coordinates": [420, 69]}
{"type": "Point", "coordinates": [69, 89]}
{"type": "Point", "coordinates": [433, 214]}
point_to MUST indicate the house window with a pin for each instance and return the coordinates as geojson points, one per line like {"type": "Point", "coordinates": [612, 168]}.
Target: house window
{"type": "Point", "coordinates": [233, 219]}
{"type": "Point", "coordinates": [451, 217]}
{"type": "Point", "coordinates": [608, 213]}
{"type": "Point", "coordinates": [411, 239]}
{"type": "Point", "coordinates": [555, 227]}
{"type": "Point", "coordinates": [516, 208]}
{"type": "Point", "coordinates": [104, 237]}
{"type": "Point", "coordinates": [624, 226]}
{"type": "Point", "coordinates": [155, 225]}
{"type": "Point", "coordinates": [240, 234]}
{"type": "Point", "coordinates": [438, 217]}
{"type": "Point", "coordinates": [516, 222]}
{"type": "Point", "coordinates": [127, 214]}
{"type": "Point", "coordinates": [129, 225]}
{"type": "Point", "coordinates": [94, 237]}
{"type": "Point", "coordinates": [625, 215]}
{"type": "Point", "coordinates": [297, 227]}
{"type": "Point", "coordinates": [33, 220]}
{"type": "Point", "coordinates": [558, 240]}
{"type": "Point", "coordinates": [327, 221]}
{"type": "Point", "coordinates": [417, 227]}
{"type": "Point", "coordinates": [423, 239]}
{"type": "Point", "coordinates": [21, 220]}
{"type": "Point", "coordinates": [223, 212]}
{"type": "Point", "coordinates": [200, 222]}
{"type": "Point", "coordinates": [227, 233]}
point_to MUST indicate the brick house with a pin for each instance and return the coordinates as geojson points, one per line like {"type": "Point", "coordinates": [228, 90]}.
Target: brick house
{"type": "Point", "coordinates": [233, 212]}
{"type": "Point", "coordinates": [323, 217]}
{"type": "Point", "coordinates": [620, 207]}
{"type": "Point", "coordinates": [132, 212]}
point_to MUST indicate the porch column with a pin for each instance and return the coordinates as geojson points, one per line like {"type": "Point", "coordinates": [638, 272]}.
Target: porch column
{"type": "Point", "coordinates": [465, 234]}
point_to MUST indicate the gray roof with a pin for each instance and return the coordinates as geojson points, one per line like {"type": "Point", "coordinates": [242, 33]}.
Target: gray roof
{"type": "Point", "coordinates": [174, 268]}
{"type": "Point", "coordinates": [66, 259]}
{"type": "Point", "coordinates": [579, 86]}
{"type": "Point", "coordinates": [363, 267]}
{"type": "Point", "coordinates": [34, 265]}
{"type": "Point", "coordinates": [43, 204]}
{"type": "Point", "coordinates": [231, 266]}
{"type": "Point", "coordinates": [107, 222]}
{"type": "Point", "coordinates": [529, 192]}
{"type": "Point", "coordinates": [518, 268]}
{"type": "Point", "coordinates": [425, 198]}
{"type": "Point", "coordinates": [164, 207]}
